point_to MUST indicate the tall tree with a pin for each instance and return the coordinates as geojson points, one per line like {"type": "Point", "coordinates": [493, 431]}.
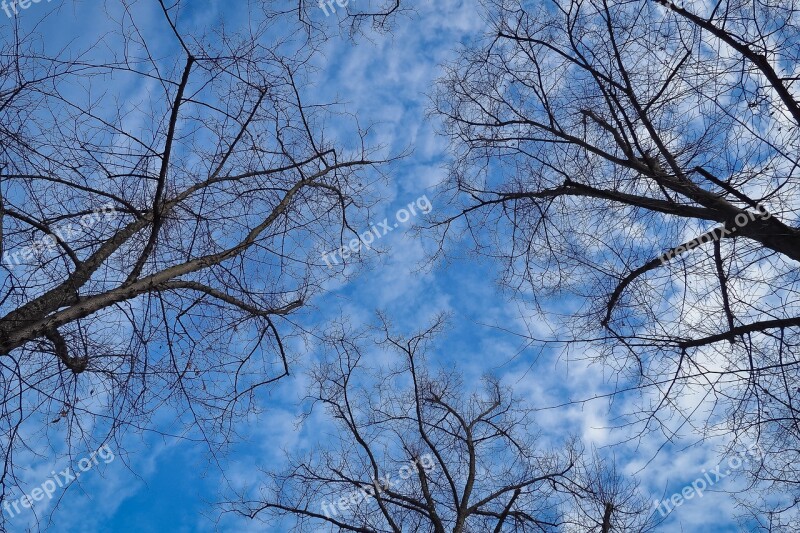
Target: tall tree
{"type": "Point", "coordinates": [161, 213]}
{"type": "Point", "coordinates": [416, 450]}
{"type": "Point", "coordinates": [644, 157]}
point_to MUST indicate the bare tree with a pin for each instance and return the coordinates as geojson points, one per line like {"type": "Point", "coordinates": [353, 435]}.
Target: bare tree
{"type": "Point", "coordinates": [161, 214]}
{"type": "Point", "coordinates": [605, 500]}
{"type": "Point", "coordinates": [643, 156]}
{"type": "Point", "coordinates": [416, 450]}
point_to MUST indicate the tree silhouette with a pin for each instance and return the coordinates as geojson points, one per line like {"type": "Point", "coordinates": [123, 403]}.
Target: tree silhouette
{"type": "Point", "coordinates": [417, 450]}
{"type": "Point", "coordinates": [161, 214]}
{"type": "Point", "coordinates": [643, 156]}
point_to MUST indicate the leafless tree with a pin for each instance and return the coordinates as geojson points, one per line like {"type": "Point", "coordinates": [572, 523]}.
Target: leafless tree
{"type": "Point", "coordinates": [162, 213]}
{"type": "Point", "coordinates": [605, 500]}
{"type": "Point", "coordinates": [417, 450]}
{"type": "Point", "coordinates": [598, 140]}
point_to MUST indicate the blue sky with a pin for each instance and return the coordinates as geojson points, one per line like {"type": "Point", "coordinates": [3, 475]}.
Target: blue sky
{"type": "Point", "coordinates": [167, 484]}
